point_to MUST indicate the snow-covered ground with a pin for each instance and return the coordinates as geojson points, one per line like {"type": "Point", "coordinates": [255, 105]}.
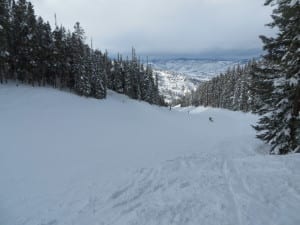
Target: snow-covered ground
{"type": "Point", "coordinates": [68, 160]}
{"type": "Point", "coordinates": [173, 86]}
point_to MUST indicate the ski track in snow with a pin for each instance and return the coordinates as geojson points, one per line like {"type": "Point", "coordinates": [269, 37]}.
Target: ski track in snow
{"type": "Point", "coordinates": [198, 173]}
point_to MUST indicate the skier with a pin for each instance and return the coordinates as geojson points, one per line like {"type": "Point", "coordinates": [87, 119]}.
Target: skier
{"type": "Point", "coordinates": [211, 119]}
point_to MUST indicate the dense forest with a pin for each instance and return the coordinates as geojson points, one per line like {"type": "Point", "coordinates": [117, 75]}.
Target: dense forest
{"type": "Point", "coordinates": [230, 90]}
{"type": "Point", "coordinates": [32, 53]}
{"type": "Point", "coordinates": [269, 87]}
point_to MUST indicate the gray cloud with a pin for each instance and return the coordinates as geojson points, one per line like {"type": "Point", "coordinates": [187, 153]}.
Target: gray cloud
{"type": "Point", "coordinates": [164, 26]}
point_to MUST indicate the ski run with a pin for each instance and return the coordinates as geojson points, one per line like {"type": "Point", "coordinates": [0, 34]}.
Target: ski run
{"type": "Point", "coordinates": [70, 160]}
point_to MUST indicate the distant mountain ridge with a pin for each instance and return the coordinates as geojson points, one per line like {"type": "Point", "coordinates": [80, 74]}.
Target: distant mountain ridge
{"type": "Point", "coordinates": [182, 75]}
{"type": "Point", "coordinates": [204, 68]}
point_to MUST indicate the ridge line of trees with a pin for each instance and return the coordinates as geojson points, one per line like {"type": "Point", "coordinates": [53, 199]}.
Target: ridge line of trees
{"type": "Point", "coordinates": [269, 87]}
{"type": "Point", "coordinates": [230, 90]}
{"type": "Point", "coordinates": [32, 53]}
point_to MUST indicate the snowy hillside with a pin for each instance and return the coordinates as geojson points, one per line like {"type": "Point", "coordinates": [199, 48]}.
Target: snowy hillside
{"type": "Point", "coordinates": [178, 77]}
{"type": "Point", "coordinates": [204, 69]}
{"type": "Point", "coordinates": [172, 86]}
{"type": "Point", "coordinates": [68, 160]}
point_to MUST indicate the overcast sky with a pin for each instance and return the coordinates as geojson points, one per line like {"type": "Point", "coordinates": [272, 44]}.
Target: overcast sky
{"type": "Point", "coordinates": [164, 26]}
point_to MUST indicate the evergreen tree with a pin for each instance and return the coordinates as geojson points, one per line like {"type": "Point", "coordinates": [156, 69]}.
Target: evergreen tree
{"type": "Point", "coordinates": [98, 89]}
{"type": "Point", "coordinates": [19, 35]}
{"type": "Point", "coordinates": [30, 52]}
{"type": "Point", "coordinates": [278, 81]}
{"type": "Point", "coordinates": [58, 56]}
{"type": "Point", "coordinates": [44, 52]}
{"type": "Point", "coordinates": [31, 45]}
{"type": "Point", "coordinates": [4, 45]}
{"type": "Point", "coordinates": [79, 69]}
{"type": "Point", "coordinates": [231, 90]}
{"type": "Point", "coordinates": [116, 77]}
{"type": "Point", "coordinates": [148, 85]}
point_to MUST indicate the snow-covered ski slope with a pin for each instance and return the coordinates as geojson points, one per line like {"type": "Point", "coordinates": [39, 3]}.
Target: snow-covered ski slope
{"type": "Point", "coordinates": [69, 160]}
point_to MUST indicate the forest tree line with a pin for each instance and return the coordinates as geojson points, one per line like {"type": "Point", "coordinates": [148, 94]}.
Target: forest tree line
{"type": "Point", "coordinates": [269, 87]}
{"type": "Point", "coordinates": [230, 90]}
{"type": "Point", "coordinates": [32, 53]}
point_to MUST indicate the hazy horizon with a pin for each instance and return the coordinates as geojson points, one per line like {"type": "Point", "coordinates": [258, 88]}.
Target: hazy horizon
{"type": "Point", "coordinates": [205, 28]}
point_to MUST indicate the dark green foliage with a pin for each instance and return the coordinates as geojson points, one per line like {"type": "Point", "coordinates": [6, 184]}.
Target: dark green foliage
{"type": "Point", "coordinates": [278, 81]}
{"type": "Point", "coordinates": [4, 38]}
{"type": "Point", "coordinates": [270, 88]}
{"type": "Point", "coordinates": [97, 76]}
{"type": "Point", "coordinates": [231, 90]}
{"type": "Point", "coordinates": [133, 79]}
{"type": "Point", "coordinates": [30, 52]}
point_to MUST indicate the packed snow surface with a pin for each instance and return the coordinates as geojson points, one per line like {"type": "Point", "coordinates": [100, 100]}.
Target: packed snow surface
{"type": "Point", "coordinates": [66, 159]}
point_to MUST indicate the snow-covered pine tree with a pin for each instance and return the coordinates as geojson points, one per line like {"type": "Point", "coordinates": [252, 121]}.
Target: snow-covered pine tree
{"type": "Point", "coordinates": [43, 50]}
{"type": "Point", "coordinates": [248, 98]}
{"type": "Point", "coordinates": [19, 35]}
{"type": "Point", "coordinates": [98, 89]}
{"type": "Point", "coordinates": [119, 75]}
{"type": "Point", "coordinates": [279, 80]}
{"type": "Point", "coordinates": [4, 32]}
{"type": "Point", "coordinates": [134, 72]}
{"type": "Point", "coordinates": [116, 78]}
{"type": "Point", "coordinates": [238, 88]}
{"type": "Point", "coordinates": [127, 78]}
{"type": "Point", "coordinates": [230, 90]}
{"type": "Point", "coordinates": [31, 45]}
{"type": "Point", "coordinates": [31, 53]}
{"type": "Point", "coordinates": [148, 84]}
{"type": "Point", "coordinates": [80, 58]}
{"type": "Point", "coordinates": [243, 98]}
{"type": "Point", "coordinates": [71, 55]}
{"type": "Point", "coordinates": [84, 82]}
{"type": "Point", "coordinates": [59, 35]}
